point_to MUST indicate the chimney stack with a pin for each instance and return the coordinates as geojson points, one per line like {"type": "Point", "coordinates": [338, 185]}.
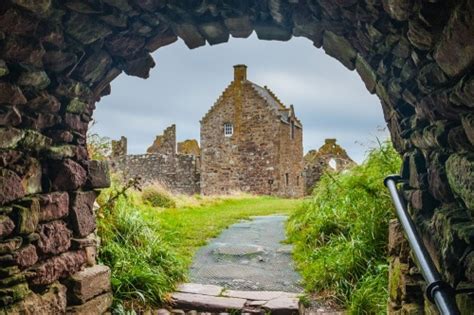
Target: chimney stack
{"type": "Point", "coordinates": [240, 72]}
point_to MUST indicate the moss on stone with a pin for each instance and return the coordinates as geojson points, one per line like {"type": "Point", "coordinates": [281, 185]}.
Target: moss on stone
{"type": "Point", "coordinates": [76, 106]}
{"type": "Point", "coordinates": [460, 172]}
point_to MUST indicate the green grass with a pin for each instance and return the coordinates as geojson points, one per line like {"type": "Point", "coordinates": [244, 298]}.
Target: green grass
{"type": "Point", "coordinates": [340, 234]}
{"type": "Point", "coordinates": [149, 249]}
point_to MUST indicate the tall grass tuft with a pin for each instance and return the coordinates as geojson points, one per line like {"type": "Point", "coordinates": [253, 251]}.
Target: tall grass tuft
{"type": "Point", "coordinates": [340, 234]}
{"type": "Point", "coordinates": [158, 196]}
{"type": "Point", "coordinates": [144, 267]}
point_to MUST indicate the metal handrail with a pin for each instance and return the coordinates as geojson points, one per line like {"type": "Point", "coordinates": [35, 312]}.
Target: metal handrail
{"type": "Point", "coordinates": [437, 291]}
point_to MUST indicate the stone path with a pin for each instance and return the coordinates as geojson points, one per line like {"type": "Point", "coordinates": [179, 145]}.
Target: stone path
{"type": "Point", "coordinates": [245, 270]}
{"type": "Point", "coordinates": [248, 255]}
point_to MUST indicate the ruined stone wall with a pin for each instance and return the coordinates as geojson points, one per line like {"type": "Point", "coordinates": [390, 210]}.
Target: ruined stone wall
{"type": "Point", "coordinates": [165, 143]}
{"type": "Point", "coordinates": [329, 157]}
{"type": "Point", "coordinates": [179, 173]}
{"type": "Point", "coordinates": [57, 59]}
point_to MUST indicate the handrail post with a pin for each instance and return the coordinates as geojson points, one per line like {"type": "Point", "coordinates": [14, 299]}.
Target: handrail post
{"type": "Point", "coordinates": [437, 291]}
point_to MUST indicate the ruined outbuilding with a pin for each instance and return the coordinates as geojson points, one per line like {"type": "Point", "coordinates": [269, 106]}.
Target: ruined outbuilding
{"type": "Point", "coordinates": [329, 157]}
{"type": "Point", "coordinates": [251, 142]}
{"type": "Point", "coordinates": [179, 171]}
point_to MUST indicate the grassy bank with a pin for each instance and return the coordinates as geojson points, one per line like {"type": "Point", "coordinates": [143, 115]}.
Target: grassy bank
{"type": "Point", "coordinates": [340, 234]}
{"type": "Point", "coordinates": [150, 248]}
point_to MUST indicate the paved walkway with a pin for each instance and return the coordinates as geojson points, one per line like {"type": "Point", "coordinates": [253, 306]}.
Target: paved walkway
{"type": "Point", "coordinates": [248, 255]}
{"type": "Point", "coordinates": [245, 270]}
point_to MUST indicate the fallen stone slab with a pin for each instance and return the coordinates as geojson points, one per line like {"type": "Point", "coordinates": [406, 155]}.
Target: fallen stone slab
{"type": "Point", "coordinates": [196, 288]}
{"type": "Point", "coordinates": [259, 295]}
{"type": "Point", "coordinates": [201, 302]}
{"type": "Point", "coordinates": [283, 306]}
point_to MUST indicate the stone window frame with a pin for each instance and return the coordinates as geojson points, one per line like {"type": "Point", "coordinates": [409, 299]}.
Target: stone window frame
{"type": "Point", "coordinates": [228, 129]}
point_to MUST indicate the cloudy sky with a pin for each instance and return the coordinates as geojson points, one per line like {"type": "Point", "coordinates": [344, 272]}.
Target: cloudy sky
{"type": "Point", "coordinates": [331, 101]}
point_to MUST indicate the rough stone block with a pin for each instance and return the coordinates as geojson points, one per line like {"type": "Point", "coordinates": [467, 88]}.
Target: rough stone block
{"type": "Point", "coordinates": [82, 214]}
{"type": "Point", "coordinates": [11, 94]}
{"type": "Point", "coordinates": [58, 267]}
{"type": "Point", "coordinates": [460, 172]}
{"type": "Point", "coordinates": [190, 35]}
{"type": "Point", "coordinates": [339, 48]}
{"type": "Point", "coordinates": [26, 256]}
{"type": "Point", "coordinates": [12, 294]}
{"type": "Point", "coordinates": [207, 303]}
{"type": "Point", "coordinates": [54, 238]}
{"type": "Point", "coordinates": [160, 40]}
{"type": "Point", "coordinates": [366, 73]}
{"type": "Point", "coordinates": [11, 187]}
{"type": "Point", "coordinates": [87, 284]}
{"type": "Point", "coordinates": [26, 216]}
{"type": "Point", "coordinates": [10, 245]}
{"type": "Point", "coordinates": [10, 137]}
{"type": "Point", "coordinates": [31, 177]}
{"type": "Point", "coordinates": [68, 175]}
{"type": "Point", "coordinates": [240, 27]}
{"type": "Point", "coordinates": [6, 226]}
{"type": "Point", "coordinates": [98, 305]}
{"type": "Point", "coordinates": [455, 50]}
{"type": "Point", "coordinates": [53, 206]}
{"type": "Point", "coordinates": [53, 301]}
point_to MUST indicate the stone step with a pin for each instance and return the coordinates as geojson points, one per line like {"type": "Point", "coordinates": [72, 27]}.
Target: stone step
{"type": "Point", "coordinates": [215, 299]}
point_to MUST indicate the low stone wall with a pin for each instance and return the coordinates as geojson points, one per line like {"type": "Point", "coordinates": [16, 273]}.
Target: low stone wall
{"type": "Point", "coordinates": [179, 173]}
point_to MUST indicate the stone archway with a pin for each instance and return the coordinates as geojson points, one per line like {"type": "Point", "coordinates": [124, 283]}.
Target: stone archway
{"type": "Point", "coordinates": [58, 58]}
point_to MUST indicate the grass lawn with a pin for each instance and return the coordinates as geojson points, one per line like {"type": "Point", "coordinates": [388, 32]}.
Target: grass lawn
{"type": "Point", "coordinates": [190, 228]}
{"type": "Point", "coordinates": [150, 249]}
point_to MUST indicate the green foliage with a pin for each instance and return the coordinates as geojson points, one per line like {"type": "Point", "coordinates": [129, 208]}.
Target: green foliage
{"type": "Point", "coordinates": [144, 267]}
{"type": "Point", "coordinates": [98, 147]}
{"type": "Point", "coordinates": [340, 234]}
{"type": "Point", "coordinates": [149, 249]}
{"type": "Point", "coordinates": [156, 196]}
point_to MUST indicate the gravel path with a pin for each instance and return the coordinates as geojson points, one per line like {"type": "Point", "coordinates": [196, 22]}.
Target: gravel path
{"type": "Point", "coordinates": [248, 255]}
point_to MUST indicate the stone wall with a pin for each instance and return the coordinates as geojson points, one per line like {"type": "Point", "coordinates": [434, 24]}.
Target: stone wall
{"type": "Point", "coordinates": [179, 173]}
{"type": "Point", "coordinates": [57, 58]}
{"type": "Point", "coordinates": [329, 157]}
{"type": "Point", "coordinates": [259, 155]}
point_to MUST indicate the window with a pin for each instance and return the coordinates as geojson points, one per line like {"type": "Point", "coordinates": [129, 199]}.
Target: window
{"type": "Point", "coordinates": [287, 179]}
{"type": "Point", "coordinates": [292, 130]}
{"type": "Point", "coordinates": [228, 129]}
{"type": "Point", "coordinates": [297, 180]}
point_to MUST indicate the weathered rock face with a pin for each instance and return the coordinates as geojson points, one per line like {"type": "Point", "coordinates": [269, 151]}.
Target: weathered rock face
{"type": "Point", "coordinates": [57, 59]}
{"type": "Point", "coordinates": [165, 143]}
{"type": "Point", "coordinates": [330, 157]}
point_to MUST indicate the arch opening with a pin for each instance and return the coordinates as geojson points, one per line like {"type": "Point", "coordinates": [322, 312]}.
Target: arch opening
{"type": "Point", "coordinates": [59, 58]}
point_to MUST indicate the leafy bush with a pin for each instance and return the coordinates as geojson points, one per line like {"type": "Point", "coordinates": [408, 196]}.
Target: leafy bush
{"type": "Point", "coordinates": [157, 196]}
{"type": "Point", "coordinates": [340, 234]}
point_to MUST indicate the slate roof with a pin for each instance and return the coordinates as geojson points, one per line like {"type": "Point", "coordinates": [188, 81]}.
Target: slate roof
{"type": "Point", "coordinates": [274, 102]}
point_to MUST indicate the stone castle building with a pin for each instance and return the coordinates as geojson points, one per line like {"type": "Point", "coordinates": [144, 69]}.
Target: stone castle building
{"type": "Point", "coordinates": [251, 142]}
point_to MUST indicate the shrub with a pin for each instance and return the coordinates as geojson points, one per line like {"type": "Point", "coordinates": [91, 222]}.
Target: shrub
{"type": "Point", "coordinates": [340, 234]}
{"type": "Point", "coordinates": [157, 196]}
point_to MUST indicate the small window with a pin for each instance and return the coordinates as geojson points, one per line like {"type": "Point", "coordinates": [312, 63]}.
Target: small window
{"type": "Point", "coordinates": [292, 130]}
{"type": "Point", "coordinates": [228, 129]}
{"type": "Point", "coordinates": [297, 180]}
{"type": "Point", "coordinates": [287, 179]}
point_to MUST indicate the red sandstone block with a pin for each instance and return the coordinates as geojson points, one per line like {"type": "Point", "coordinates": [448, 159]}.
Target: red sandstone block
{"type": "Point", "coordinates": [6, 225]}
{"type": "Point", "coordinates": [58, 267]}
{"type": "Point", "coordinates": [54, 237]}
{"type": "Point", "coordinates": [98, 174]}
{"type": "Point", "coordinates": [88, 283]}
{"type": "Point", "coordinates": [26, 256]}
{"type": "Point", "coordinates": [68, 175]}
{"type": "Point", "coordinates": [11, 187]}
{"type": "Point", "coordinates": [81, 213]}
{"type": "Point", "coordinates": [98, 305]}
{"type": "Point", "coordinates": [53, 206]}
